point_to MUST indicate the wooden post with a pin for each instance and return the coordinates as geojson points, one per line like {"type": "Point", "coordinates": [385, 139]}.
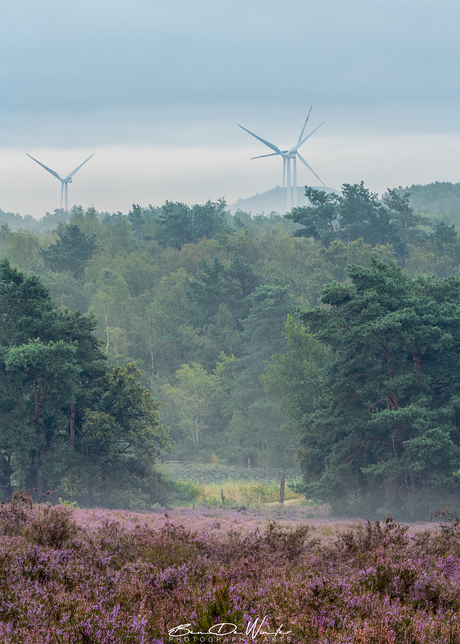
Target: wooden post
{"type": "Point", "coordinates": [283, 482]}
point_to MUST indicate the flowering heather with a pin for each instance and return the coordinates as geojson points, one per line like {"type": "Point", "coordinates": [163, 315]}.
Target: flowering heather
{"type": "Point", "coordinates": [114, 577]}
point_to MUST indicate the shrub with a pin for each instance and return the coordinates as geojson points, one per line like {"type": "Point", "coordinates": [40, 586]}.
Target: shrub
{"type": "Point", "coordinates": [133, 578]}
{"type": "Point", "coordinates": [290, 542]}
{"type": "Point", "coordinates": [187, 491]}
{"type": "Point", "coordinates": [52, 526]}
{"type": "Point", "coordinates": [16, 514]}
{"type": "Point", "coordinates": [44, 525]}
{"type": "Point", "coordinates": [374, 535]}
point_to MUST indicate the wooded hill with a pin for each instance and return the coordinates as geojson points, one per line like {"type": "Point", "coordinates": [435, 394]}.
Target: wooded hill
{"type": "Point", "coordinates": [209, 307]}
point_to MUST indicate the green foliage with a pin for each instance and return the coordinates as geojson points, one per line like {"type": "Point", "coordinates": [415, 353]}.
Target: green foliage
{"type": "Point", "coordinates": [444, 244]}
{"type": "Point", "coordinates": [218, 285]}
{"type": "Point", "coordinates": [318, 220]}
{"type": "Point", "coordinates": [68, 421]}
{"type": "Point", "coordinates": [71, 251]}
{"type": "Point", "coordinates": [188, 492]}
{"type": "Point", "coordinates": [179, 224]}
{"type": "Point", "coordinates": [388, 425]}
{"type": "Point", "coordinates": [362, 216]}
{"type": "Point", "coordinates": [358, 214]}
{"type": "Point", "coordinates": [218, 475]}
{"type": "Point", "coordinates": [290, 375]}
{"type": "Point", "coordinates": [46, 223]}
{"type": "Point", "coordinates": [191, 400]}
{"type": "Point", "coordinates": [253, 492]}
{"type": "Point", "coordinates": [185, 288]}
{"type": "Point", "coordinates": [66, 289]}
{"type": "Point", "coordinates": [440, 199]}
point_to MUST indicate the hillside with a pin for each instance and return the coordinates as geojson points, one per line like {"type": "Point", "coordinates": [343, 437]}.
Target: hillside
{"type": "Point", "coordinates": [439, 199]}
{"type": "Point", "coordinates": [271, 201]}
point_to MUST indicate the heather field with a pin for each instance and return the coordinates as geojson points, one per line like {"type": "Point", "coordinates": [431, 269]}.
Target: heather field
{"type": "Point", "coordinates": [96, 576]}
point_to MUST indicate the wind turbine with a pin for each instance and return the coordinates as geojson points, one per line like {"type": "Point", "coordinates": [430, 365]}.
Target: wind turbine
{"type": "Point", "coordinates": [288, 155]}
{"type": "Point", "coordinates": [64, 182]}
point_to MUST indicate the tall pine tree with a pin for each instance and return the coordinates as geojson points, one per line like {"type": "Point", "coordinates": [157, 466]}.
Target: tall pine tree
{"type": "Point", "coordinates": [388, 431]}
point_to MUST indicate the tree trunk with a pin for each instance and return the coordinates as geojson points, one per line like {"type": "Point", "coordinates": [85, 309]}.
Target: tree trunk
{"type": "Point", "coordinates": [72, 424]}
{"type": "Point", "coordinates": [392, 400]}
{"type": "Point", "coordinates": [39, 475]}
{"type": "Point", "coordinates": [36, 403]}
{"type": "Point", "coordinates": [417, 359]}
{"type": "Point", "coordinates": [413, 485]}
{"type": "Point", "coordinates": [5, 476]}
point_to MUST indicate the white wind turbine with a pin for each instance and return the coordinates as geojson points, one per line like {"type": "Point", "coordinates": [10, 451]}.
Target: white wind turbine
{"type": "Point", "coordinates": [64, 182]}
{"type": "Point", "coordinates": [288, 155]}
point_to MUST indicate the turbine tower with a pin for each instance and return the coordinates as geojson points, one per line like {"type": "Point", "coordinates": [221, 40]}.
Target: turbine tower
{"type": "Point", "coordinates": [288, 156]}
{"type": "Point", "coordinates": [64, 182]}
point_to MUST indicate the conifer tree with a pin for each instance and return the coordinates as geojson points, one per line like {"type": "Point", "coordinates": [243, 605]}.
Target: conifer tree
{"type": "Point", "coordinates": [66, 419]}
{"type": "Point", "coordinates": [390, 418]}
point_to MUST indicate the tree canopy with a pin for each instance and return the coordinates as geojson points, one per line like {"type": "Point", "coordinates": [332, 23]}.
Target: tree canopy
{"type": "Point", "coordinates": [207, 305]}
{"type": "Point", "coordinates": [359, 214]}
{"type": "Point", "coordinates": [68, 421]}
{"type": "Point", "coordinates": [388, 426]}
{"type": "Point", "coordinates": [71, 251]}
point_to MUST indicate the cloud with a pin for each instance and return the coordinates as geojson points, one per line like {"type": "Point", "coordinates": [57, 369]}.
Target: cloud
{"type": "Point", "coordinates": [156, 88]}
{"type": "Point", "coordinates": [84, 56]}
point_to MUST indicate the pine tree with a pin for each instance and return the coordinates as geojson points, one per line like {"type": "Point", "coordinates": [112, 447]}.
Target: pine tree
{"type": "Point", "coordinates": [67, 420]}
{"type": "Point", "coordinates": [390, 419]}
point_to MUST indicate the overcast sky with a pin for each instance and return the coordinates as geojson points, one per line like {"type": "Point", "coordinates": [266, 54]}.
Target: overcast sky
{"type": "Point", "coordinates": [156, 88]}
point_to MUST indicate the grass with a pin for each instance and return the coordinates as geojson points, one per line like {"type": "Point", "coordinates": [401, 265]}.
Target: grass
{"type": "Point", "coordinates": [248, 493]}
{"type": "Point", "coordinates": [220, 484]}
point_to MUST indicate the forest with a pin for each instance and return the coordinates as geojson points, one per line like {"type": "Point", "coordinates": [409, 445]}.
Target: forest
{"type": "Point", "coordinates": [328, 338]}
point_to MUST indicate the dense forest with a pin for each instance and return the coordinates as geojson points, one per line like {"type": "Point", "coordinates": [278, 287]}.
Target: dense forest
{"type": "Point", "coordinates": [328, 336]}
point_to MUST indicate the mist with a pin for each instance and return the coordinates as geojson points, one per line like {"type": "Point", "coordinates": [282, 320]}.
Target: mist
{"type": "Point", "coordinates": [156, 90]}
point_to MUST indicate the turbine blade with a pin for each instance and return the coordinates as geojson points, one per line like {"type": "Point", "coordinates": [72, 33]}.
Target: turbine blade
{"type": "Point", "coordinates": [77, 169]}
{"type": "Point", "coordinates": [55, 174]}
{"type": "Point", "coordinates": [311, 169]}
{"type": "Point", "coordinates": [270, 145]}
{"type": "Point", "coordinates": [305, 124]}
{"type": "Point", "coordinates": [272, 154]}
{"type": "Point", "coordinates": [296, 147]}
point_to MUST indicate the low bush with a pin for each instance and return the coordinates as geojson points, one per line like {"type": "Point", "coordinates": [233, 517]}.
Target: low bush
{"type": "Point", "coordinates": [45, 525]}
{"type": "Point", "coordinates": [52, 526]}
{"type": "Point", "coordinates": [133, 578]}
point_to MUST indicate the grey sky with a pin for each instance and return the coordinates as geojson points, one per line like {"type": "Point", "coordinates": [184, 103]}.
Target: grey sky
{"type": "Point", "coordinates": [156, 88]}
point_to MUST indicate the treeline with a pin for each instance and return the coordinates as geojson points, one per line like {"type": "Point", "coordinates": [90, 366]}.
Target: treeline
{"type": "Point", "coordinates": [203, 302]}
{"type": "Point", "coordinates": [200, 319]}
{"type": "Point", "coordinates": [440, 200]}
{"type": "Point", "coordinates": [68, 421]}
{"type": "Point", "coordinates": [15, 221]}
